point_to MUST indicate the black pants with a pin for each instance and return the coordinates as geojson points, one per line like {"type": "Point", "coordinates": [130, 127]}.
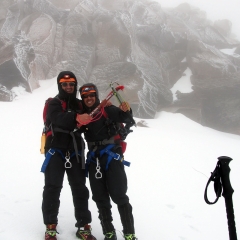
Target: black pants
{"type": "Point", "coordinates": [54, 176]}
{"type": "Point", "coordinates": [112, 185]}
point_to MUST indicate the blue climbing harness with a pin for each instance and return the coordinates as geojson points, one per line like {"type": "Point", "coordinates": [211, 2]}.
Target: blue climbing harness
{"type": "Point", "coordinates": [111, 156]}
{"type": "Point", "coordinates": [51, 152]}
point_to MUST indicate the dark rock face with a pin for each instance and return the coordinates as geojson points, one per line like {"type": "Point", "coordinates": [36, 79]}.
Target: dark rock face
{"type": "Point", "coordinates": [134, 42]}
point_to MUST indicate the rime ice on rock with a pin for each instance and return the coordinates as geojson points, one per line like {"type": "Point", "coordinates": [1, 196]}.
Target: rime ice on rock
{"type": "Point", "coordinates": [136, 43]}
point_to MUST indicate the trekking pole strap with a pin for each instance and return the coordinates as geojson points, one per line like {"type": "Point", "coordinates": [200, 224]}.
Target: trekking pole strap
{"type": "Point", "coordinates": [215, 177]}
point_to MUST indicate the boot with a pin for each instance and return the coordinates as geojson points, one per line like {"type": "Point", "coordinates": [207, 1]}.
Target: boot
{"type": "Point", "coordinates": [110, 235]}
{"type": "Point", "coordinates": [105, 216]}
{"type": "Point", "coordinates": [84, 233]}
{"type": "Point", "coordinates": [127, 220]}
{"type": "Point", "coordinates": [51, 232]}
{"type": "Point", "coordinates": [130, 237]}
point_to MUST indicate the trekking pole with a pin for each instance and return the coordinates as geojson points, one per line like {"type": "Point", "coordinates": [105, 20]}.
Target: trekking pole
{"type": "Point", "coordinates": [220, 177]}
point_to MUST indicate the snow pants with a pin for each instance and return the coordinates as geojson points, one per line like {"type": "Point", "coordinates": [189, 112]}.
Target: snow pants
{"type": "Point", "coordinates": [112, 185]}
{"type": "Point", "coordinates": [54, 176]}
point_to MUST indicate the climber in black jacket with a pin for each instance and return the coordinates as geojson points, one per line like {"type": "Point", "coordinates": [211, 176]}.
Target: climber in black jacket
{"type": "Point", "coordinates": [64, 152]}
{"type": "Point", "coordinates": [107, 176]}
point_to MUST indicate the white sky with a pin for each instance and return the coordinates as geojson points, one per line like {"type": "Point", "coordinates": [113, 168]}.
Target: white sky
{"type": "Point", "coordinates": [171, 162]}
{"type": "Point", "coordinates": [215, 9]}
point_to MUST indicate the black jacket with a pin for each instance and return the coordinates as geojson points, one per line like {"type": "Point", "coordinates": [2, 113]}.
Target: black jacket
{"type": "Point", "coordinates": [64, 120]}
{"type": "Point", "coordinates": [104, 128]}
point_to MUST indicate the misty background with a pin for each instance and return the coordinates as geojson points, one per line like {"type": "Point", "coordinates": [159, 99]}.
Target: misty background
{"type": "Point", "coordinates": [151, 47]}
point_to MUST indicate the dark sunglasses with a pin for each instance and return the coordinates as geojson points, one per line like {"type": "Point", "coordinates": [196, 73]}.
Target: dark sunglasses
{"type": "Point", "coordinates": [91, 95]}
{"type": "Point", "coordinates": [65, 84]}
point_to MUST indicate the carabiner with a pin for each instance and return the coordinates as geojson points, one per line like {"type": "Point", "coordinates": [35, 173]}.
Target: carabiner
{"type": "Point", "coordinates": [68, 164]}
{"type": "Point", "coordinates": [98, 174]}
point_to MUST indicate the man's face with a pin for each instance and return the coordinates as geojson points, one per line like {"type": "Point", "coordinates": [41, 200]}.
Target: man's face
{"type": "Point", "coordinates": [68, 86]}
{"type": "Point", "coordinates": [89, 99]}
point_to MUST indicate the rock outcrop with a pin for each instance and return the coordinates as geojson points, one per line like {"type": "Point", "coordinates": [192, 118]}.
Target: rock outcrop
{"type": "Point", "coordinates": [134, 42]}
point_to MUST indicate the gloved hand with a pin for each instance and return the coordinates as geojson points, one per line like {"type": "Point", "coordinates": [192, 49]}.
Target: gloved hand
{"type": "Point", "coordinates": [83, 119]}
{"type": "Point", "coordinates": [125, 106]}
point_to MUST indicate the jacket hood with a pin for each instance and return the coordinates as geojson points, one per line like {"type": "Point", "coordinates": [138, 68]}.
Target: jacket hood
{"type": "Point", "coordinates": [66, 75]}
{"type": "Point", "coordinates": [89, 88]}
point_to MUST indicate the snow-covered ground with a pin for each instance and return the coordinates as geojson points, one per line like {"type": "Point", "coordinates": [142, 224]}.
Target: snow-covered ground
{"type": "Point", "coordinates": [171, 161]}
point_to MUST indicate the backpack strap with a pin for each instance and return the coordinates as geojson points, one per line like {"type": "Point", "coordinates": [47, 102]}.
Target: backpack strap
{"type": "Point", "coordinates": [48, 127]}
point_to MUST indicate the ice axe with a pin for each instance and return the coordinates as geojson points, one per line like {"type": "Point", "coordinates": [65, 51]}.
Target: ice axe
{"type": "Point", "coordinates": [120, 100]}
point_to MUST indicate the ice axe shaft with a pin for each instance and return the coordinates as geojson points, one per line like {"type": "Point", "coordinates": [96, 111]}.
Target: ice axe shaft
{"type": "Point", "coordinates": [104, 101]}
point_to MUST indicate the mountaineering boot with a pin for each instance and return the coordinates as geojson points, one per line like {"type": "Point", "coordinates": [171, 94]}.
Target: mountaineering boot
{"type": "Point", "coordinates": [84, 233]}
{"type": "Point", "coordinates": [130, 237]}
{"type": "Point", "coordinates": [51, 232]}
{"type": "Point", "coordinates": [110, 235]}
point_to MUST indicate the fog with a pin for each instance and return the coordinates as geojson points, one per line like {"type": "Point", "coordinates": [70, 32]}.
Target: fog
{"type": "Point", "coordinates": [215, 10]}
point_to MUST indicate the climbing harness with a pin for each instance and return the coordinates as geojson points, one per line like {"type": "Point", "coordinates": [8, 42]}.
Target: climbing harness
{"type": "Point", "coordinates": [111, 156]}
{"type": "Point", "coordinates": [52, 151]}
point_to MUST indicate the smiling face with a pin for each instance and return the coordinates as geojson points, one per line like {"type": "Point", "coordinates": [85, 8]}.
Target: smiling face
{"type": "Point", "coordinates": [68, 86]}
{"type": "Point", "coordinates": [89, 99]}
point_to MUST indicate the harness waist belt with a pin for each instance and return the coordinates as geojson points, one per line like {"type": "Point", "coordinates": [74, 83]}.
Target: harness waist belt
{"type": "Point", "coordinates": [101, 143]}
{"type": "Point", "coordinates": [56, 129]}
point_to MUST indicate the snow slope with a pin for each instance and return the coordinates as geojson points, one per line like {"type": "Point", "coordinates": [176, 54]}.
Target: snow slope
{"type": "Point", "coordinates": [171, 161]}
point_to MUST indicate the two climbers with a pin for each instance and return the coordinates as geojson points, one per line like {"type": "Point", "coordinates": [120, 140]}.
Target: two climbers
{"type": "Point", "coordinates": [64, 146]}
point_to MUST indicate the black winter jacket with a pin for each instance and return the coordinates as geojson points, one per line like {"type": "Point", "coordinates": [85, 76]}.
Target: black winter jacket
{"type": "Point", "coordinates": [99, 130]}
{"type": "Point", "coordinates": [65, 120]}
